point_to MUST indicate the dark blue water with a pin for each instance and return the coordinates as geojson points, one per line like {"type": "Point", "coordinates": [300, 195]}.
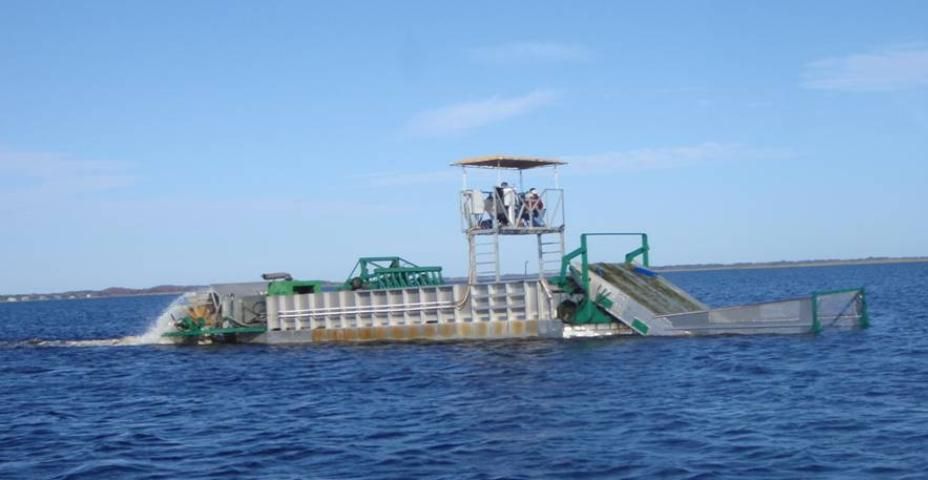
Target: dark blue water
{"type": "Point", "coordinates": [848, 404]}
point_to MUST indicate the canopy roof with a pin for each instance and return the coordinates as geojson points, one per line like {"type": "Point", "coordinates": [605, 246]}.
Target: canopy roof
{"type": "Point", "coordinates": [512, 163]}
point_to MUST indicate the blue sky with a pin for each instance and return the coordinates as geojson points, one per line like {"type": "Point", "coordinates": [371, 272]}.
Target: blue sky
{"type": "Point", "coordinates": [192, 142]}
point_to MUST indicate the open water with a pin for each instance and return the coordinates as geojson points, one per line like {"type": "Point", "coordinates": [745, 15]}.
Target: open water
{"type": "Point", "coordinates": [844, 404]}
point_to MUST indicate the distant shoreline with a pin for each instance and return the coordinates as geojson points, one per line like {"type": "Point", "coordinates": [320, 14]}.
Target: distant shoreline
{"type": "Point", "coordinates": [86, 295]}
{"type": "Point", "coordinates": [788, 264]}
{"type": "Point", "coordinates": [162, 290]}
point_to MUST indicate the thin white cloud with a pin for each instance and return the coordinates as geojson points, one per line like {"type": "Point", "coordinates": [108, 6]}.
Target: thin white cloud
{"type": "Point", "coordinates": [895, 68]}
{"type": "Point", "coordinates": [403, 179]}
{"type": "Point", "coordinates": [47, 173]}
{"type": "Point", "coordinates": [530, 52]}
{"type": "Point", "coordinates": [266, 206]}
{"type": "Point", "coordinates": [670, 157]}
{"type": "Point", "coordinates": [465, 116]}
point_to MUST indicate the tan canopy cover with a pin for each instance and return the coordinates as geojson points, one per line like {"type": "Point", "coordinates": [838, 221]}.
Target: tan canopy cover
{"type": "Point", "coordinates": [507, 162]}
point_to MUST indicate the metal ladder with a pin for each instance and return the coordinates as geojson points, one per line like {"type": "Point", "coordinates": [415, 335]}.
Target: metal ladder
{"type": "Point", "coordinates": [550, 253]}
{"type": "Point", "coordinates": [486, 257]}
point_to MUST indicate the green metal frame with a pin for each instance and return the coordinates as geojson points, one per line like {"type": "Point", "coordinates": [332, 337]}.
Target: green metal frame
{"type": "Point", "coordinates": [291, 287]}
{"type": "Point", "coordinates": [207, 332]}
{"type": "Point", "coordinates": [861, 293]}
{"type": "Point", "coordinates": [642, 251]}
{"type": "Point", "coordinates": [589, 310]}
{"type": "Point", "coordinates": [196, 327]}
{"type": "Point", "coordinates": [378, 273]}
{"type": "Point", "coordinates": [583, 252]}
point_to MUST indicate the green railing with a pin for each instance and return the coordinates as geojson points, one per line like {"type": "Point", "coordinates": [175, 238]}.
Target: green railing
{"type": "Point", "coordinates": [583, 253]}
{"type": "Point", "coordinates": [375, 273]}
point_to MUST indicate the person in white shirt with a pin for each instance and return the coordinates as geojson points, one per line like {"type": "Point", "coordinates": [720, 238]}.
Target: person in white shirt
{"type": "Point", "coordinates": [509, 197]}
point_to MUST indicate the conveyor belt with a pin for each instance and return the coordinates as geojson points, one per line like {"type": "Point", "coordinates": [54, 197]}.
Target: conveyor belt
{"type": "Point", "coordinates": [652, 291]}
{"type": "Point", "coordinates": [651, 305]}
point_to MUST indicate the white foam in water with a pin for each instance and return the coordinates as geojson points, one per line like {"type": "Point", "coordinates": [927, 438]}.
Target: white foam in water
{"type": "Point", "coordinates": [153, 336]}
{"type": "Point", "coordinates": [163, 324]}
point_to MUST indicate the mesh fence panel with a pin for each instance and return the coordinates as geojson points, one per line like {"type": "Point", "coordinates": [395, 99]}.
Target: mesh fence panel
{"type": "Point", "coordinates": [839, 309]}
{"type": "Point", "coordinates": [791, 316]}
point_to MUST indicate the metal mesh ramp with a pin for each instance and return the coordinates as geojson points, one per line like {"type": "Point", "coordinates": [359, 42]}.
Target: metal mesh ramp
{"type": "Point", "coordinates": [812, 314]}
{"type": "Point", "coordinates": [636, 297]}
{"type": "Point", "coordinates": [651, 305]}
{"type": "Point", "coordinates": [650, 290]}
{"type": "Point", "coordinates": [611, 293]}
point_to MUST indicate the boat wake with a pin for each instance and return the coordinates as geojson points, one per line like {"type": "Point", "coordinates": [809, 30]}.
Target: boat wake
{"type": "Point", "coordinates": [152, 336]}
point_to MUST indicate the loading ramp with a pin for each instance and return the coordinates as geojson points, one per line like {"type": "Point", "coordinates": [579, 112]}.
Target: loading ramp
{"type": "Point", "coordinates": [651, 305]}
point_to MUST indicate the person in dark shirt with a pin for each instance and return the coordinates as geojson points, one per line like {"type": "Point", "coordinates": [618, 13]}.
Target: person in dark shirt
{"type": "Point", "coordinates": [534, 208]}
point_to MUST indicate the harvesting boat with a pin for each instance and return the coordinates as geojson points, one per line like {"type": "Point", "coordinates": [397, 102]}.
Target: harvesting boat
{"type": "Point", "coordinates": [391, 299]}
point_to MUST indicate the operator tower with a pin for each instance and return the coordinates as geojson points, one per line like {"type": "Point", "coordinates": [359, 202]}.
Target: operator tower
{"type": "Point", "coordinates": [501, 210]}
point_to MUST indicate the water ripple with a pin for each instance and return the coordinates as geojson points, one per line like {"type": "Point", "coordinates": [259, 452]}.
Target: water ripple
{"type": "Point", "coordinates": [837, 405]}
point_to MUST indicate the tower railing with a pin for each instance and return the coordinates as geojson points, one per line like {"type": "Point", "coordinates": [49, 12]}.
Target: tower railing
{"type": "Point", "coordinates": [502, 212]}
